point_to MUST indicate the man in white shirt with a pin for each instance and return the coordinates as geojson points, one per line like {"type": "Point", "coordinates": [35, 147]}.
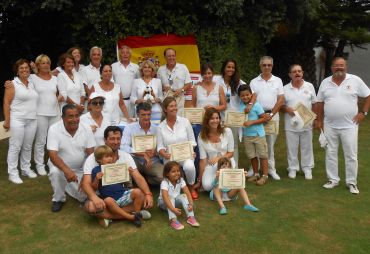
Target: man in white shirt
{"type": "Point", "coordinates": [69, 142]}
{"type": "Point", "coordinates": [124, 73]}
{"type": "Point", "coordinates": [95, 205]}
{"type": "Point", "coordinates": [270, 94]}
{"type": "Point", "coordinates": [338, 112]}
{"type": "Point", "coordinates": [175, 79]}
{"type": "Point", "coordinates": [148, 161]}
{"type": "Point", "coordinates": [298, 91]}
{"type": "Point", "coordinates": [91, 73]}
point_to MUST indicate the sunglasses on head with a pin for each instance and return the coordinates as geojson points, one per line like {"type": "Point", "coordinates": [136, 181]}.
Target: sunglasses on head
{"type": "Point", "coordinates": [96, 103]}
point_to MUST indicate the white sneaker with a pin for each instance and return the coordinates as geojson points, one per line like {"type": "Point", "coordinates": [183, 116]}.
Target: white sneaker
{"type": "Point", "coordinates": [15, 179]}
{"type": "Point", "coordinates": [145, 214]}
{"type": "Point", "coordinates": [308, 175]}
{"type": "Point", "coordinates": [353, 189]}
{"type": "Point", "coordinates": [292, 174]}
{"type": "Point", "coordinates": [250, 172]}
{"type": "Point", "coordinates": [41, 171]}
{"type": "Point", "coordinates": [274, 175]}
{"type": "Point", "coordinates": [330, 185]}
{"type": "Point", "coordinates": [29, 173]}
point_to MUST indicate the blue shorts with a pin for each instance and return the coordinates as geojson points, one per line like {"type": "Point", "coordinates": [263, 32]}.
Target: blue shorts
{"type": "Point", "coordinates": [125, 199]}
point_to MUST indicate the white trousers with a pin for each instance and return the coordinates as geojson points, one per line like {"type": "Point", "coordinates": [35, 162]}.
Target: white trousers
{"type": "Point", "coordinates": [302, 140]}
{"type": "Point", "coordinates": [209, 175]}
{"type": "Point", "coordinates": [348, 138]}
{"type": "Point", "coordinates": [189, 169]}
{"type": "Point", "coordinates": [180, 200]}
{"type": "Point", "coordinates": [130, 108]}
{"type": "Point", "coordinates": [43, 124]}
{"type": "Point", "coordinates": [271, 139]}
{"type": "Point", "coordinates": [20, 142]}
{"type": "Point", "coordinates": [61, 186]}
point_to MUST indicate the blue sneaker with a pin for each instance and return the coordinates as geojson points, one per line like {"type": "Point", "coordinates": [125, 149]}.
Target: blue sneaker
{"type": "Point", "coordinates": [223, 211]}
{"type": "Point", "coordinates": [251, 208]}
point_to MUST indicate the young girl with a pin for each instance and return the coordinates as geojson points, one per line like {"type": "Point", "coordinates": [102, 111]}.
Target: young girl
{"type": "Point", "coordinates": [170, 196]}
{"type": "Point", "coordinates": [226, 194]}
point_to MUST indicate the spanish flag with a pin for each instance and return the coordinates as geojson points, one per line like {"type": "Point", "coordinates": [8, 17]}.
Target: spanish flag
{"type": "Point", "coordinates": [152, 48]}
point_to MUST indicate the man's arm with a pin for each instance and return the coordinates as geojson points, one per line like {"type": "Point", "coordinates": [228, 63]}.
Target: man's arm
{"type": "Point", "coordinates": [59, 163]}
{"type": "Point", "coordinates": [279, 103]}
{"type": "Point", "coordinates": [319, 110]}
{"type": "Point", "coordinates": [143, 186]}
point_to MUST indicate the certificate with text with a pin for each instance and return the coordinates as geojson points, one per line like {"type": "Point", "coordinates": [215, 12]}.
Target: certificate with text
{"type": "Point", "coordinates": [231, 179]}
{"type": "Point", "coordinates": [115, 173]}
{"type": "Point", "coordinates": [194, 115]}
{"type": "Point", "coordinates": [307, 115]}
{"type": "Point", "coordinates": [3, 132]}
{"type": "Point", "coordinates": [181, 151]}
{"type": "Point", "coordinates": [271, 127]}
{"type": "Point", "coordinates": [235, 118]}
{"type": "Point", "coordinates": [141, 143]}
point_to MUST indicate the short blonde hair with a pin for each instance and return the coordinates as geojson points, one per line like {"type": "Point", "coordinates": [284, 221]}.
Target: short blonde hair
{"type": "Point", "coordinates": [151, 65]}
{"type": "Point", "coordinates": [102, 151]}
{"type": "Point", "coordinates": [39, 59]}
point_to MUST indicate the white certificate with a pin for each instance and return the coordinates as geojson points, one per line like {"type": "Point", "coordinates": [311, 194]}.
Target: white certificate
{"type": "Point", "coordinates": [181, 151]}
{"type": "Point", "coordinates": [141, 143]}
{"type": "Point", "coordinates": [3, 132]}
{"type": "Point", "coordinates": [271, 127]}
{"type": "Point", "coordinates": [235, 118]}
{"type": "Point", "coordinates": [231, 179]}
{"type": "Point", "coordinates": [115, 173]}
{"type": "Point", "coordinates": [306, 114]}
{"type": "Point", "coordinates": [194, 115]}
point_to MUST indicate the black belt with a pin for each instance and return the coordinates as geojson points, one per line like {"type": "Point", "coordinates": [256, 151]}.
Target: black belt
{"type": "Point", "coordinates": [127, 98]}
{"type": "Point", "coordinates": [268, 111]}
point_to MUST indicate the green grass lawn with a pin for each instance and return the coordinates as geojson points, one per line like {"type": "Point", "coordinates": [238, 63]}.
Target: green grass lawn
{"type": "Point", "coordinates": [296, 216]}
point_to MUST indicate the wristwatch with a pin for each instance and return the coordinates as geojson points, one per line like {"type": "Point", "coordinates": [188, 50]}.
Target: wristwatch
{"type": "Point", "coordinates": [363, 112]}
{"type": "Point", "coordinates": [182, 90]}
{"type": "Point", "coordinates": [271, 114]}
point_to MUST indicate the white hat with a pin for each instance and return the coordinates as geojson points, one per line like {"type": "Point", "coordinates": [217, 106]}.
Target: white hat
{"type": "Point", "coordinates": [95, 95]}
{"type": "Point", "coordinates": [297, 121]}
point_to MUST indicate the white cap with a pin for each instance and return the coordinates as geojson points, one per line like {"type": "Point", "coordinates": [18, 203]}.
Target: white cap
{"type": "Point", "coordinates": [95, 95]}
{"type": "Point", "coordinates": [297, 121]}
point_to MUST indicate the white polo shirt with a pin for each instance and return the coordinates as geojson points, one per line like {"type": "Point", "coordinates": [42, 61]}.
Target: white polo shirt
{"type": "Point", "coordinates": [72, 150]}
{"type": "Point", "coordinates": [124, 157]}
{"type": "Point", "coordinates": [340, 102]}
{"type": "Point", "coordinates": [179, 74]}
{"type": "Point", "coordinates": [124, 76]}
{"type": "Point", "coordinates": [267, 92]}
{"type": "Point", "coordinates": [24, 103]}
{"type": "Point", "coordinates": [182, 132]}
{"type": "Point", "coordinates": [173, 191]}
{"type": "Point", "coordinates": [91, 75]}
{"type": "Point", "coordinates": [305, 94]}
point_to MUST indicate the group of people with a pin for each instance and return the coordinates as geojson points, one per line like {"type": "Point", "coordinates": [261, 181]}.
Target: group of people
{"type": "Point", "coordinates": [76, 111]}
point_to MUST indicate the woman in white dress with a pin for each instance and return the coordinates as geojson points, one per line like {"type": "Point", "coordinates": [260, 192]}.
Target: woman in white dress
{"type": "Point", "coordinates": [148, 89]}
{"type": "Point", "coordinates": [113, 102]}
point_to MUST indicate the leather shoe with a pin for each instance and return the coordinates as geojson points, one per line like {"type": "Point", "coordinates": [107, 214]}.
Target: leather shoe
{"type": "Point", "coordinates": [57, 206]}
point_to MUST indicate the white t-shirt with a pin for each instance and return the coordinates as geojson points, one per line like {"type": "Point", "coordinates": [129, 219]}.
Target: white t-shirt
{"type": "Point", "coordinates": [267, 92]}
{"type": "Point", "coordinates": [305, 94]}
{"type": "Point", "coordinates": [211, 150]}
{"type": "Point", "coordinates": [73, 89]}
{"type": "Point", "coordinates": [47, 90]}
{"type": "Point", "coordinates": [124, 76]}
{"type": "Point", "coordinates": [72, 150]}
{"type": "Point", "coordinates": [340, 102]}
{"type": "Point", "coordinates": [124, 157]}
{"type": "Point", "coordinates": [99, 133]}
{"type": "Point", "coordinates": [24, 103]}
{"type": "Point", "coordinates": [111, 102]}
{"type": "Point", "coordinates": [173, 191]}
{"type": "Point", "coordinates": [180, 75]}
{"type": "Point", "coordinates": [91, 75]}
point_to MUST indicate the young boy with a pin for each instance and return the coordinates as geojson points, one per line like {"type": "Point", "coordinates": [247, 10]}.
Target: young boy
{"type": "Point", "coordinates": [115, 195]}
{"type": "Point", "coordinates": [254, 135]}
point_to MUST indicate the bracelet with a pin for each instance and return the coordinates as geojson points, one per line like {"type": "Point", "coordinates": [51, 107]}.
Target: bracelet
{"type": "Point", "coordinates": [149, 194]}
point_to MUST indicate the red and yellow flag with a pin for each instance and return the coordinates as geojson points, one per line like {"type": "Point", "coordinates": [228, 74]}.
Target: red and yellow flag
{"type": "Point", "coordinates": [152, 48]}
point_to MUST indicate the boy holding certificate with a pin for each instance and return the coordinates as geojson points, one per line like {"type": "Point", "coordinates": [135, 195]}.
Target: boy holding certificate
{"type": "Point", "coordinates": [115, 196]}
{"type": "Point", "coordinates": [254, 135]}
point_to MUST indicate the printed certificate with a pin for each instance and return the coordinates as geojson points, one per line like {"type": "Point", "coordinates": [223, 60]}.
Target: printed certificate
{"type": "Point", "coordinates": [235, 119]}
{"type": "Point", "coordinates": [194, 115]}
{"type": "Point", "coordinates": [271, 127]}
{"type": "Point", "coordinates": [306, 114]}
{"type": "Point", "coordinates": [115, 173]}
{"type": "Point", "coordinates": [141, 143]}
{"type": "Point", "coordinates": [181, 151]}
{"type": "Point", "coordinates": [3, 132]}
{"type": "Point", "coordinates": [231, 179]}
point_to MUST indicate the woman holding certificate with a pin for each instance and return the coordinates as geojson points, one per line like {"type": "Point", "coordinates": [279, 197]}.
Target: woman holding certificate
{"type": "Point", "coordinates": [148, 89]}
{"type": "Point", "coordinates": [214, 142]}
{"type": "Point", "coordinates": [175, 139]}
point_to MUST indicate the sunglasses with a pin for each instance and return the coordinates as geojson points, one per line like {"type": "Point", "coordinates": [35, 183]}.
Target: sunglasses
{"type": "Point", "coordinates": [96, 103]}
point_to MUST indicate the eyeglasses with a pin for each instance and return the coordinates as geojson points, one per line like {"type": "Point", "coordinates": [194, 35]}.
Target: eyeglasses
{"type": "Point", "coordinates": [227, 97]}
{"type": "Point", "coordinates": [96, 103]}
{"type": "Point", "coordinates": [266, 65]}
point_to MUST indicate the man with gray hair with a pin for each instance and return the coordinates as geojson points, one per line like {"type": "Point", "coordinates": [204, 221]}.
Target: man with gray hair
{"type": "Point", "coordinates": [91, 73]}
{"type": "Point", "coordinates": [124, 73]}
{"type": "Point", "coordinates": [270, 94]}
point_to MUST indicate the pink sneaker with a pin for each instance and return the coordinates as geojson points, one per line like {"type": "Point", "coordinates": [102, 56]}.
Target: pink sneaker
{"type": "Point", "coordinates": [176, 225]}
{"type": "Point", "coordinates": [192, 221]}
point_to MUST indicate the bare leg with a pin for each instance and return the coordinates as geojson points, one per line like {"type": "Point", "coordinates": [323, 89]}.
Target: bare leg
{"type": "Point", "coordinates": [116, 210]}
{"type": "Point", "coordinates": [264, 166]}
{"type": "Point", "coordinates": [217, 194]}
{"type": "Point", "coordinates": [254, 163]}
{"type": "Point", "coordinates": [138, 197]}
